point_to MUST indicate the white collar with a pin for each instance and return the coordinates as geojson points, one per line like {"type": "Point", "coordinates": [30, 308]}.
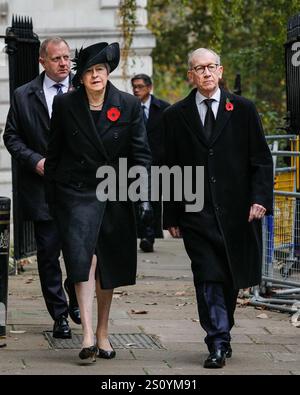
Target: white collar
{"type": "Point", "coordinates": [147, 103]}
{"type": "Point", "coordinates": [49, 82]}
{"type": "Point", "coordinates": [216, 96]}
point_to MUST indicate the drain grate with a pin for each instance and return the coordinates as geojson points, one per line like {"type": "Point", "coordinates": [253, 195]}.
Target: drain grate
{"type": "Point", "coordinates": [118, 341]}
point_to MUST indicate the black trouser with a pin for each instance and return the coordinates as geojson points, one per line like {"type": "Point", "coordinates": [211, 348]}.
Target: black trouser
{"type": "Point", "coordinates": [216, 305]}
{"type": "Point", "coordinates": [48, 252]}
{"type": "Point", "coordinates": [153, 230]}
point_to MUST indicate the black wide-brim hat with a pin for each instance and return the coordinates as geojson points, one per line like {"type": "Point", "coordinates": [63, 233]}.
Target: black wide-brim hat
{"type": "Point", "coordinates": [95, 54]}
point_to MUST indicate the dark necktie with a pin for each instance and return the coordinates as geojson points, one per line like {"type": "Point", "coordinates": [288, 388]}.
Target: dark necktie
{"type": "Point", "coordinates": [144, 114]}
{"type": "Point", "coordinates": [209, 121]}
{"type": "Point", "coordinates": [58, 89]}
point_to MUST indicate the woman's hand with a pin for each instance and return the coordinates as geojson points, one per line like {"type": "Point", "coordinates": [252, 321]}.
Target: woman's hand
{"type": "Point", "coordinates": [174, 231]}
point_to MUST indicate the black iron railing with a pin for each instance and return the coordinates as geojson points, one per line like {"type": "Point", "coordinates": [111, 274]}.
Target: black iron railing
{"type": "Point", "coordinates": [22, 47]}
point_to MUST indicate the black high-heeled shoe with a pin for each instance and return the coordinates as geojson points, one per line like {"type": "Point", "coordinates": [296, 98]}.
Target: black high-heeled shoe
{"type": "Point", "coordinates": [106, 354]}
{"type": "Point", "coordinates": [89, 352]}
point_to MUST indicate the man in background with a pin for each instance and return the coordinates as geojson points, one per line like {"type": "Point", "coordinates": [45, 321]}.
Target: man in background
{"type": "Point", "coordinates": [152, 112]}
{"type": "Point", "coordinates": [26, 137]}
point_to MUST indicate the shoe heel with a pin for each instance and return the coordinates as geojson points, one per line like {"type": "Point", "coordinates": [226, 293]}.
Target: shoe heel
{"type": "Point", "coordinates": [88, 353]}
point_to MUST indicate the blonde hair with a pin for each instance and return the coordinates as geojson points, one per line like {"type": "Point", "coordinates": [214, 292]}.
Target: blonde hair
{"type": "Point", "coordinates": [50, 40]}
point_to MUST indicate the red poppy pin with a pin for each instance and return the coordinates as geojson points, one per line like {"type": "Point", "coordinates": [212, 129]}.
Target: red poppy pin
{"type": "Point", "coordinates": [113, 114]}
{"type": "Point", "coordinates": [229, 106]}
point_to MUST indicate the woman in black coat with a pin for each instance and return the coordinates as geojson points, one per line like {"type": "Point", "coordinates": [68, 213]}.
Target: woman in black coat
{"type": "Point", "coordinates": [91, 127]}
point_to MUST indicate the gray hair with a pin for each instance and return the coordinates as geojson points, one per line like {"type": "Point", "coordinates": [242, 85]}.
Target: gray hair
{"type": "Point", "coordinates": [50, 40]}
{"type": "Point", "coordinates": [202, 51]}
{"type": "Point", "coordinates": [107, 67]}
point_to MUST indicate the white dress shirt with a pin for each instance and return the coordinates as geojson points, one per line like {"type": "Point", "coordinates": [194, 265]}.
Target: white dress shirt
{"type": "Point", "coordinates": [147, 106]}
{"type": "Point", "coordinates": [202, 107]}
{"type": "Point", "coordinates": [50, 91]}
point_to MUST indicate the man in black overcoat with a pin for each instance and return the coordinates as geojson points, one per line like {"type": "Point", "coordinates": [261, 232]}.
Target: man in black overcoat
{"type": "Point", "coordinates": [223, 133]}
{"type": "Point", "coordinates": [26, 137]}
{"type": "Point", "coordinates": [152, 112]}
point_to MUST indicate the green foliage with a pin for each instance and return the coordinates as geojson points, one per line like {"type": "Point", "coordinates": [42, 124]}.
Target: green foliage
{"type": "Point", "coordinates": [248, 34]}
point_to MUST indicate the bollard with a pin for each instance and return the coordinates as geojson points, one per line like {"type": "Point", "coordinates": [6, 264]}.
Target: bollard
{"type": "Point", "coordinates": [4, 260]}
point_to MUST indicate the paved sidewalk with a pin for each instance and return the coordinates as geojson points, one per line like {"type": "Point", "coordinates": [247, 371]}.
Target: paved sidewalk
{"type": "Point", "coordinates": [165, 292]}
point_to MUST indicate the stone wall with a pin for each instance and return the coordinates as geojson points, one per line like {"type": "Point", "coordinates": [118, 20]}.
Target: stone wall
{"type": "Point", "coordinates": [81, 23]}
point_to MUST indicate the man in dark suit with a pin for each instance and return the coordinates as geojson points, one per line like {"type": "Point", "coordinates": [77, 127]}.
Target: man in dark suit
{"type": "Point", "coordinates": [26, 137]}
{"type": "Point", "coordinates": [223, 133]}
{"type": "Point", "coordinates": [152, 112]}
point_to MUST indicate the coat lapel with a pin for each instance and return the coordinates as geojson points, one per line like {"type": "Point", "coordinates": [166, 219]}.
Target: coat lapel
{"type": "Point", "coordinates": [41, 98]}
{"type": "Point", "coordinates": [151, 115]}
{"type": "Point", "coordinates": [37, 90]}
{"type": "Point", "coordinates": [191, 115]}
{"type": "Point", "coordinates": [154, 111]}
{"type": "Point", "coordinates": [192, 118]}
{"type": "Point", "coordinates": [222, 116]}
{"type": "Point", "coordinates": [112, 100]}
{"type": "Point", "coordinates": [81, 112]}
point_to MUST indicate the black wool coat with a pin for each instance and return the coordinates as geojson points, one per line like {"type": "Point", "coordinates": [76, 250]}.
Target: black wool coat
{"type": "Point", "coordinates": [76, 150]}
{"type": "Point", "coordinates": [26, 137]}
{"type": "Point", "coordinates": [238, 171]}
{"type": "Point", "coordinates": [155, 130]}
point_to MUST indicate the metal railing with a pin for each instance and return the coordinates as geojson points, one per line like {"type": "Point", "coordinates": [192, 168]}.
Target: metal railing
{"type": "Point", "coordinates": [22, 48]}
{"type": "Point", "coordinates": [280, 286]}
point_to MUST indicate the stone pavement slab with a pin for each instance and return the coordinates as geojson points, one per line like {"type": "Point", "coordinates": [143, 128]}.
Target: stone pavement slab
{"type": "Point", "coordinates": [165, 293]}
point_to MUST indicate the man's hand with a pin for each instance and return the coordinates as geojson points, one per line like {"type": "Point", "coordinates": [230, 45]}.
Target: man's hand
{"type": "Point", "coordinates": [174, 231]}
{"type": "Point", "coordinates": [256, 212]}
{"type": "Point", "coordinates": [39, 168]}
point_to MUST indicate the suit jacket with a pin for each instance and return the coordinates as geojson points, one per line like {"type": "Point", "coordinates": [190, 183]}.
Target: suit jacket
{"type": "Point", "coordinates": [76, 151]}
{"type": "Point", "coordinates": [155, 130]}
{"type": "Point", "coordinates": [238, 170]}
{"type": "Point", "coordinates": [26, 137]}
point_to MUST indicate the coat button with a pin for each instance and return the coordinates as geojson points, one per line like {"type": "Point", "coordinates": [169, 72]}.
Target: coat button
{"type": "Point", "coordinates": [213, 180]}
{"type": "Point", "coordinates": [211, 152]}
{"type": "Point", "coordinates": [116, 135]}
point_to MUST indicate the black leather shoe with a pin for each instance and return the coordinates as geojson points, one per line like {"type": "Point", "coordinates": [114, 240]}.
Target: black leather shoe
{"type": "Point", "coordinates": [146, 245]}
{"type": "Point", "coordinates": [106, 354]}
{"type": "Point", "coordinates": [74, 311]}
{"type": "Point", "coordinates": [89, 353]}
{"type": "Point", "coordinates": [61, 329]}
{"type": "Point", "coordinates": [228, 352]}
{"type": "Point", "coordinates": [215, 360]}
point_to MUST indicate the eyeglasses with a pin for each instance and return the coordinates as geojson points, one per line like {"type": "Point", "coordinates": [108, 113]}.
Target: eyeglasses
{"type": "Point", "coordinates": [138, 86]}
{"type": "Point", "coordinates": [210, 67]}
